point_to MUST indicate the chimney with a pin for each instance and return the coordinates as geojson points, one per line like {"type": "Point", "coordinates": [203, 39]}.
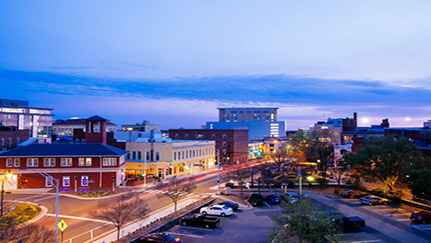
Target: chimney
{"type": "Point", "coordinates": [355, 117]}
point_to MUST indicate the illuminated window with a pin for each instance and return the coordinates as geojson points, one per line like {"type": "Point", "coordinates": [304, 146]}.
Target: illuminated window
{"type": "Point", "coordinates": [109, 161]}
{"type": "Point", "coordinates": [81, 162]}
{"type": "Point", "coordinates": [66, 161]}
{"type": "Point", "coordinates": [49, 162]}
{"type": "Point", "coordinates": [88, 162]}
{"type": "Point", "coordinates": [8, 162]}
{"type": "Point", "coordinates": [16, 162]}
{"type": "Point", "coordinates": [32, 162]}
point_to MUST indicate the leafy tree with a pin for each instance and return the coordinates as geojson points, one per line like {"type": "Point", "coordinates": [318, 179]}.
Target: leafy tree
{"type": "Point", "coordinates": [176, 189]}
{"type": "Point", "coordinates": [320, 152]}
{"type": "Point", "coordinates": [303, 221]}
{"type": "Point", "coordinates": [298, 144]}
{"type": "Point", "coordinates": [382, 160]}
{"type": "Point", "coordinates": [122, 210]}
{"type": "Point", "coordinates": [418, 177]}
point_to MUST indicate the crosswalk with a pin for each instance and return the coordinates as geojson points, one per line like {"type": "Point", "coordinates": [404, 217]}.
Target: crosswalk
{"type": "Point", "coordinates": [422, 226]}
{"type": "Point", "coordinates": [186, 194]}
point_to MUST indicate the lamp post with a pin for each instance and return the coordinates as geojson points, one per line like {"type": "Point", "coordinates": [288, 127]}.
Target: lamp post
{"type": "Point", "coordinates": [309, 178]}
{"type": "Point", "coordinates": [56, 186]}
{"type": "Point", "coordinates": [218, 172]}
{"type": "Point", "coordinates": [145, 169]}
{"type": "Point", "coordinates": [2, 189]}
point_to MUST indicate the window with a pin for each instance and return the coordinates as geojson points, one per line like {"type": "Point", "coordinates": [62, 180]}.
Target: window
{"type": "Point", "coordinates": [139, 155]}
{"type": "Point", "coordinates": [2, 142]}
{"type": "Point", "coordinates": [66, 181]}
{"type": "Point", "coordinates": [8, 162]}
{"type": "Point", "coordinates": [224, 136]}
{"type": "Point", "coordinates": [32, 162]}
{"type": "Point", "coordinates": [134, 155]}
{"type": "Point", "coordinates": [49, 162]}
{"type": "Point", "coordinates": [128, 155]}
{"type": "Point", "coordinates": [187, 154]}
{"type": "Point", "coordinates": [186, 136]}
{"type": "Point", "coordinates": [224, 144]}
{"type": "Point", "coordinates": [177, 135]}
{"type": "Point", "coordinates": [182, 154]}
{"type": "Point", "coordinates": [88, 162]}
{"type": "Point", "coordinates": [77, 140]}
{"type": "Point", "coordinates": [48, 182]}
{"type": "Point", "coordinates": [148, 156]}
{"type": "Point", "coordinates": [16, 162]}
{"type": "Point", "coordinates": [200, 135]}
{"type": "Point", "coordinates": [157, 156]}
{"type": "Point", "coordinates": [81, 162]}
{"type": "Point", "coordinates": [213, 136]}
{"type": "Point", "coordinates": [84, 180]}
{"type": "Point", "coordinates": [224, 151]}
{"type": "Point", "coordinates": [175, 156]}
{"type": "Point", "coordinates": [10, 142]}
{"type": "Point", "coordinates": [109, 161]}
{"type": "Point", "coordinates": [194, 153]}
{"type": "Point", "coordinates": [17, 141]}
{"type": "Point", "coordinates": [66, 161]}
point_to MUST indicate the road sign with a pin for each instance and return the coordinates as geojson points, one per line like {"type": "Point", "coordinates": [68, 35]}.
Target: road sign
{"type": "Point", "coordinates": [62, 225]}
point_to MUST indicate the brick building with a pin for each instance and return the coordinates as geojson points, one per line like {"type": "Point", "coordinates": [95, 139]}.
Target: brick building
{"type": "Point", "coordinates": [11, 137]}
{"type": "Point", "coordinates": [232, 143]}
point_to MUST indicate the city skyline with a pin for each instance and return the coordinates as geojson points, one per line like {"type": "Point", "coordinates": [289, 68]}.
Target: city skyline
{"type": "Point", "coordinates": [174, 63]}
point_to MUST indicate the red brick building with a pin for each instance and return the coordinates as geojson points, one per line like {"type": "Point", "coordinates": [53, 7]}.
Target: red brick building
{"type": "Point", "coordinates": [11, 137]}
{"type": "Point", "coordinates": [232, 143]}
{"type": "Point", "coordinates": [91, 164]}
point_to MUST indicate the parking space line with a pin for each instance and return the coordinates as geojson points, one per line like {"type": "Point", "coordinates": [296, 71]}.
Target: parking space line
{"type": "Point", "coordinates": [364, 241]}
{"type": "Point", "coordinates": [189, 235]}
{"type": "Point", "coordinates": [381, 210]}
{"type": "Point", "coordinates": [267, 205]}
{"type": "Point", "coordinates": [422, 227]}
{"type": "Point", "coordinates": [396, 214]}
{"type": "Point", "coordinates": [403, 219]}
{"type": "Point", "coordinates": [194, 228]}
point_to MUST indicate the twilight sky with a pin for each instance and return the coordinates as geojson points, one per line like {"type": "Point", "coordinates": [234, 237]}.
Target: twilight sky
{"type": "Point", "coordinates": [175, 62]}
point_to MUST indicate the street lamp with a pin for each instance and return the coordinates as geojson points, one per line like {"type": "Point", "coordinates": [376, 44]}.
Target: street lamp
{"type": "Point", "coordinates": [8, 175]}
{"type": "Point", "coordinates": [308, 178]}
{"type": "Point", "coordinates": [218, 171]}
{"type": "Point", "coordinates": [57, 187]}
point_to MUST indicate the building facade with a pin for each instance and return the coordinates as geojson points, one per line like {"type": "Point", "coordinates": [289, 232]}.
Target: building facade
{"type": "Point", "coordinates": [10, 137]}
{"type": "Point", "coordinates": [145, 126]}
{"type": "Point", "coordinates": [66, 127]}
{"type": "Point", "coordinates": [335, 131]}
{"type": "Point", "coordinates": [165, 158]}
{"type": "Point", "coordinates": [257, 130]}
{"type": "Point", "coordinates": [18, 114]}
{"type": "Point", "coordinates": [76, 166]}
{"type": "Point", "coordinates": [231, 143]}
{"type": "Point", "coordinates": [247, 114]}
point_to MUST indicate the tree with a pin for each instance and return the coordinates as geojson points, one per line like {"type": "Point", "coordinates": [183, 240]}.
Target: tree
{"type": "Point", "coordinates": [12, 228]}
{"type": "Point", "coordinates": [340, 171]}
{"type": "Point", "coordinates": [382, 160]}
{"type": "Point", "coordinates": [238, 175]}
{"type": "Point", "coordinates": [320, 152]}
{"type": "Point", "coordinates": [279, 157]}
{"type": "Point", "coordinates": [418, 177]}
{"type": "Point", "coordinates": [122, 210]}
{"type": "Point", "coordinates": [303, 220]}
{"type": "Point", "coordinates": [298, 144]}
{"type": "Point", "coordinates": [175, 189]}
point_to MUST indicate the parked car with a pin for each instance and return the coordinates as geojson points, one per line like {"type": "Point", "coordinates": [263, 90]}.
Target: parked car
{"type": "Point", "coordinates": [421, 217]}
{"type": "Point", "coordinates": [230, 204]}
{"type": "Point", "coordinates": [353, 194]}
{"type": "Point", "coordinates": [220, 210]}
{"type": "Point", "coordinates": [157, 237]}
{"type": "Point", "coordinates": [273, 199]}
{"type": "Point", "coordinates": [373, 200]}
{"type": "Point", "coordinates": [256, 199]}
{"type": "Point", "coordinates": [346, 224]}
{"type": "Point", "coordinates": [200, 220]}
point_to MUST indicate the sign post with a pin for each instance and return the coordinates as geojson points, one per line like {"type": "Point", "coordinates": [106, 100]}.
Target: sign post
{"type": "Point", "coordinates": [62, 226]}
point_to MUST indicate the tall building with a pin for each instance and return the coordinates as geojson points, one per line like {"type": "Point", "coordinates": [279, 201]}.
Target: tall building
{"type": "Point", "coordinates": [336, 131]}
{"type": "Point", "coordinates": [247, 114]}
{"type": "Point", "coordinates": [231, 143]}
{"type": "Point", "coordinates": [261, 123]}
{"type": "Point", "coordinates": [18, 114]}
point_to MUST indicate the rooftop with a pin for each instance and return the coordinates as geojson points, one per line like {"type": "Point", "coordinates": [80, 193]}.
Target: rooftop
{"type": "Point", "coordinates": [73, 150]}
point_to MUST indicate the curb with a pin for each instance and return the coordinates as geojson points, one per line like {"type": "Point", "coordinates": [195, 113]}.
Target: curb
{"type": "Point", "coordinates": [42, 213]}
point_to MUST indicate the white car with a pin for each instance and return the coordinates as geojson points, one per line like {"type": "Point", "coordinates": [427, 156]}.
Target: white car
{"type": "Point", "coordinates": [220, 210]}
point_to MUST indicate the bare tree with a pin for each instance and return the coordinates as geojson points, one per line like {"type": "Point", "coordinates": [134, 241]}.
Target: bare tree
{"type": "Point", "coordinates": [238, 175]}
{"type": "Point", "coordinates": [175, 189]}
{"type": "Point", "coordinates": [124, 209]}
{"type": "Point", "coordinates": [279, 157]}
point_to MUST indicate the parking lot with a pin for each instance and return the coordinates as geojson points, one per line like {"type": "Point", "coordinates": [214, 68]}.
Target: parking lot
{"type": "Point", "coordinates": [245, 225]}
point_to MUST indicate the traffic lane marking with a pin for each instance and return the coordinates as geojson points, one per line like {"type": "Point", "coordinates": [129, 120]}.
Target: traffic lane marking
{"type": "Point", "coordinates": [189, 235]}
{"type": "Point", "coordinates": [45, 198]}
{"type": "Point", "coordinates": [79, 218]}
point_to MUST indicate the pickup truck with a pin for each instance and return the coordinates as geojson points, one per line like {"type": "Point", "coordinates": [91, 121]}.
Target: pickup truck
{"type": "Point", "coordinates": [200, 220]}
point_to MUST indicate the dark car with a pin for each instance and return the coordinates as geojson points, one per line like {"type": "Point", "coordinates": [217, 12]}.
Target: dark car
{"type": "Point", "coordinates": [255, 199]}
{"type": "Point", "coordinates": [372, 200]}
{"type": "Point", "coordinates": [345, 223]}
{"type": "Point", "coordinates": [273, 199]}
{"type": "Point", "coordinates": [353, 194]}
{"type": "Point", "coordinates": [230, 204]}
{"type": "Point", "coordinates": [157, 238]}
{"type": "Point", "coordinates": [200, 220]}
{"type": "Point", "coordinates": [421, 217]}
